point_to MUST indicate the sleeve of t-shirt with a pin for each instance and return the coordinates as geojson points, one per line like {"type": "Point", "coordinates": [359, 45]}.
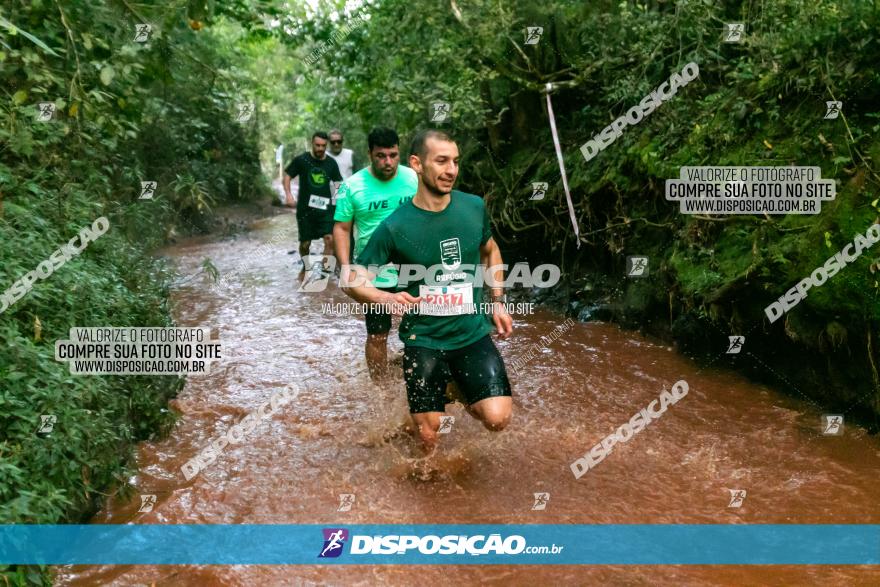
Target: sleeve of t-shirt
{"type": "Point", "coordinates": [293, 169]}
{"type": "Point", "coordinates": [487, 227]}
{"type": "Point", "coordinates": [344, 205]}
{"type": "Point", "coordinates": [378, 250]}
{"type": "Point", "coordinates": [334, 170]}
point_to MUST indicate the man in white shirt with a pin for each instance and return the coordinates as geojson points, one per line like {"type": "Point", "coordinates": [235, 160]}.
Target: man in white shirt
{"type": "Point", "coordinates": [344, 157]}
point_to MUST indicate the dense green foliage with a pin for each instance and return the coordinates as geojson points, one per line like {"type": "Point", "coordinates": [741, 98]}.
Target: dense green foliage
{"type": "Point", "coordinates": [125, 112]}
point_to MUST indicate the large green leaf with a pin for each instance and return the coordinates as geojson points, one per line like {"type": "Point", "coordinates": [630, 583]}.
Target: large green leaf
{"type": "Point", "coordinates": [15, 30]}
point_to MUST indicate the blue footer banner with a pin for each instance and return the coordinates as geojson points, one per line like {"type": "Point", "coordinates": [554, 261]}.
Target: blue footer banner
{"type": "Point", "coordinates": [524, 544]}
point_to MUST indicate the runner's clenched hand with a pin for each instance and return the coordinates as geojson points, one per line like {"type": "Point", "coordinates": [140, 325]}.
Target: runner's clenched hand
{"type": "Point", "coordinates": [503, 321]}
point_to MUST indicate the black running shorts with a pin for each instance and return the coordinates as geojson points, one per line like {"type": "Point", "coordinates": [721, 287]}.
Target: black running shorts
{"type": "Point", "coordinates": [312, 223]}
{"type": "Point", "coordinates": [477, 369]}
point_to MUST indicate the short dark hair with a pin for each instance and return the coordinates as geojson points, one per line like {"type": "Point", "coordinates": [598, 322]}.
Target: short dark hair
{"type": "Point", "coordinates": [420, 141]}
{"type": "Point", "coordinates": [321, 135]}
{"type": "Point", "coordinates": [382, 137]}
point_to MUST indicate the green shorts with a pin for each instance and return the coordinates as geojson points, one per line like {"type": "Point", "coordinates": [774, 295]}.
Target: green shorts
{"type": "Point", "coordinates": [477, 369]}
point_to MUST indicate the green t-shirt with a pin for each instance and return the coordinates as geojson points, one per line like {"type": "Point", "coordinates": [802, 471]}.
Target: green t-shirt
{"type": "Point", "coordinates": [368, 201]}
{"type": "Point", "coordinates": [449, 243]}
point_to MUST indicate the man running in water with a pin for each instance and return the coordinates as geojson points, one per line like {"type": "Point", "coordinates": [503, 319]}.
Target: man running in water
{"type": "Point", "coordinates": [365, 200]}
{"type": "Point", "coordinates": [314, 211]}
{"type": "Point", "coordinates": [448, 339]}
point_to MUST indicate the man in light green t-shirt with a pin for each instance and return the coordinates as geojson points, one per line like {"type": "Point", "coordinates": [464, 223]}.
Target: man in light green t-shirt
{"type": "Point", "coordinates": [363, 201]}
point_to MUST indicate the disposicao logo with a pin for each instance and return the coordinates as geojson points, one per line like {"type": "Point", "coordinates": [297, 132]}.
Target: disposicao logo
{"type": "Point", "coordinates": [334, 540]}
{"type": "Point", "coordinates": [403, 544]}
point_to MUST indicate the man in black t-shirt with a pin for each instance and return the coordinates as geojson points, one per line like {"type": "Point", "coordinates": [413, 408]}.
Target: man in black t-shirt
{"type": "Point", "coordinates": [318, 179]}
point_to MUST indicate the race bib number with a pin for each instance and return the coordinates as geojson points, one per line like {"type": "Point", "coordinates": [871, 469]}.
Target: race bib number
{"type": "Point", "coordinates": [446, 300]}
{"type": "Point", "coordinates": [318, 202]}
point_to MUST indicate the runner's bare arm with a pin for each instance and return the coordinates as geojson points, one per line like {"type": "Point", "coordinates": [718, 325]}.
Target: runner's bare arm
{"type": "Point", "coordinates": [356, 282]}
{"type": "Point", "coordinates": [490, 257]}
{"type": "Point", "coordinates": [341, 234]}
{"type": "Point", "coordinates": [287, 192]}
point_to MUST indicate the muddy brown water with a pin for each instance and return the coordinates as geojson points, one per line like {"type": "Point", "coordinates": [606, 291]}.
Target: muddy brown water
{"type": "Point", "coordinates": [342, 435]}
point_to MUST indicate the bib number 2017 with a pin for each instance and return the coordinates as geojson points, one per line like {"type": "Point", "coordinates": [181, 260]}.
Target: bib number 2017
{"type": "Point", "coordinates": [451, 300]}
